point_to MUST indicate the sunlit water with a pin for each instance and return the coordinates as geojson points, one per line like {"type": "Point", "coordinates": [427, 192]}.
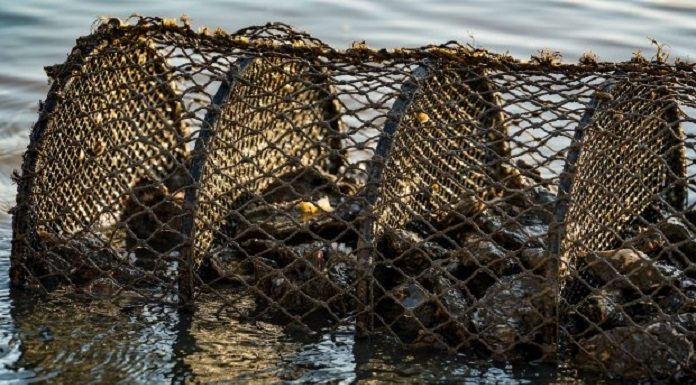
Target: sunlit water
{"type": "Point", "coordinates": [93, 343]}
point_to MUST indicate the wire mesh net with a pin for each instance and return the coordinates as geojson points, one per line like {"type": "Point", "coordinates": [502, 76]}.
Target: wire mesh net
{"type": "Point", "coordinates": [625, 280]}
{"type": "Point", "coordinates": [110, 140]}
{"type": "Point", "coordinates": [443, 196]}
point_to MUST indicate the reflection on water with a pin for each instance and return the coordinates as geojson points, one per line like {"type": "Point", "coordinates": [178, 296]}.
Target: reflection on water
{"type": "Point", "coordinates": [88, 344]}
{"type": "Point", "coordinates": [223, 349]}
{"type": "Point", "coordinates": [67, 342]}
{"type": "Point", "coordinates": [70, 342]}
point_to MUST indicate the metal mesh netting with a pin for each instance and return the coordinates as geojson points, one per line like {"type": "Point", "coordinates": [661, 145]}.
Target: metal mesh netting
{"type": "Point", "coordinates": [268, 126]}
{"type": "Point", "coordinates": [621, 272]}
{"type": "Point", "coordinates": [112, 122]}
{"type": "Point", "coordinates": [443, 117]}
{"type": "Point", "coordinates": [637, 148]}
{"type": "Point", "coordinates": [443, 196]}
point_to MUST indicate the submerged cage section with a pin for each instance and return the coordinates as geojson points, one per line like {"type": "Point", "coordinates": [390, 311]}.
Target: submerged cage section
{"type": "Point", "coordinates": [442, 196]}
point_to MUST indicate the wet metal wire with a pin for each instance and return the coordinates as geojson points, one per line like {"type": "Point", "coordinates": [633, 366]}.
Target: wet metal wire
{"type": "Point", "coordinates": [443, 196]}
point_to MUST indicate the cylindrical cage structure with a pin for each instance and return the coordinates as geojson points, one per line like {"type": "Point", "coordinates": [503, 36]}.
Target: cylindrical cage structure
{"type": "Point", "coordinates": [442, 196]}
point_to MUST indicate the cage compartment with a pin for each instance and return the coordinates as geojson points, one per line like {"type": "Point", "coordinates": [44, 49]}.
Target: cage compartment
{"type": "Point", "coordinates": [625, 195]}
{"type": "Point", "coordinates": [441, 274]}
{"type": "Point", "coordinates": [107, 147]}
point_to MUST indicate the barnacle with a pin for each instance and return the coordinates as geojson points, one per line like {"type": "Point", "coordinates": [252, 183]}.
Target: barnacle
{"type": "Point", "coordinates": [169, 22]}
{"type": "Point", "coordinates": [308, 208]}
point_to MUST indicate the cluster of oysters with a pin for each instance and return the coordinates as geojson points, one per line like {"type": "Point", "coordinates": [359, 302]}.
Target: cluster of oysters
{"type": "Point", "coordinates": [483, 280]}
{"type": "Point", "coordinates": [631, 311]}
{"type": "Point", "coordinates": [294, 245]}
{"type": "Point", "coordinates": [474, 279]}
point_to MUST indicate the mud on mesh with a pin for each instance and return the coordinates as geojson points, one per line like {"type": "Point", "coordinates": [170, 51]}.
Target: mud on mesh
{"type": "Point", "coordinates": [442, 196]}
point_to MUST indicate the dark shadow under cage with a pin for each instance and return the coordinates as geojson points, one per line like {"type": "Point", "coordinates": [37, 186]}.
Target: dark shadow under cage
{"type": "Point", "coordinates": [443, 196]}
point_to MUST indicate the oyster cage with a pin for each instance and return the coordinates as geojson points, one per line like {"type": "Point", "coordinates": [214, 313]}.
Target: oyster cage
{"type": "Point", "coordinates": [443, 196]}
